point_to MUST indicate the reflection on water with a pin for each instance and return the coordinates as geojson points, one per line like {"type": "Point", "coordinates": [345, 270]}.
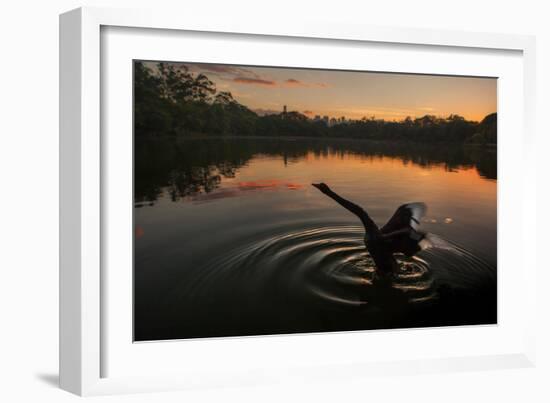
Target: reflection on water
{"type": "Point", "coordinates": [190, 167]}
{"type": "Point", "coordinates": [230, 239]}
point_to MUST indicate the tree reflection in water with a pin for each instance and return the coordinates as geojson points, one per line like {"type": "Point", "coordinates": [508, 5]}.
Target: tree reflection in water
{"type": "Point", "coordinates": [190, 167]}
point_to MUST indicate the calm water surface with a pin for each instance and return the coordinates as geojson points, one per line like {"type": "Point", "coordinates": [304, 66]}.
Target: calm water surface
{"type": "Point", "coordinates": [231, 239]}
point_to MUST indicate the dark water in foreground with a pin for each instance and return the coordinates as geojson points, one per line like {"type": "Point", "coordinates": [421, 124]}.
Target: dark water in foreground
{"type": "Point", "coordinates": [231, 239]}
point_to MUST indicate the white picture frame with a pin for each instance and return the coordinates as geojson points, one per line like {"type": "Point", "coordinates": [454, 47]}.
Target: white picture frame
{"type": "Point", "coordinates": [86, 345]}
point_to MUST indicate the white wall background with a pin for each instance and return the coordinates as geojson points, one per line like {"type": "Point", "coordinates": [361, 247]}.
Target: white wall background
{"type": "Point", "coordinates": [29, 197]}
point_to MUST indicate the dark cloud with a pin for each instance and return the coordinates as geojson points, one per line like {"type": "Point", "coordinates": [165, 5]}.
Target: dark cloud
{"type": "Point", "coordinates": [244, 75]}
{"type": "Point", "coordinates": [254, 81]}
{"type": "Point", "coordinates": [224, 69]}
{"type": "Point", "coordinates": [292, 82]}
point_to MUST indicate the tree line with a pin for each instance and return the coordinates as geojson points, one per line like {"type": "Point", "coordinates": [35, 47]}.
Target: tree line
{"type": "Point", "coordinates": [171, 100]}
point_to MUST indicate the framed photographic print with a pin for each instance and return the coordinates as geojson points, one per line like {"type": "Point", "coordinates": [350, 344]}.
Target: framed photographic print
{"type": "Point", "coordinates": [235, 201]}
{"type": "Point", "coordinates": [233, 236]}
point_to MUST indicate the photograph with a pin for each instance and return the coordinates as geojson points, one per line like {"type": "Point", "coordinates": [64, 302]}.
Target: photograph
{"type": "Point", "coordinates": [273, 200]}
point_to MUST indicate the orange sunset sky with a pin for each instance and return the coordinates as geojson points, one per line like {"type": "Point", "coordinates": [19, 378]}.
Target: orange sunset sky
{"type": "Point", "coordinates": [352, 94]}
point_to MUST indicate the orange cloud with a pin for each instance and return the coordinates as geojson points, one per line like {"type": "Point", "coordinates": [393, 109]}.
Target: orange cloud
{"type": "Point", "coordinates": [256, 81]}
{"type": "Point", "coordinates": [288, 83]}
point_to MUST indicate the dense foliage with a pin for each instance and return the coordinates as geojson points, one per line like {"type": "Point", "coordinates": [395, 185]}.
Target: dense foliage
{"type": "Point", "coordinates": [173, 101]}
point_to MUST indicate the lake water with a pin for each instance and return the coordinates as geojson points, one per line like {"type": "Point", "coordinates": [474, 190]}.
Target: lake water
{"type": "Point", "coordinates": [231, 239]}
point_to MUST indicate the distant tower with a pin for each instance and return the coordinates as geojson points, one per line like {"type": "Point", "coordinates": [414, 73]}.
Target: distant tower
{"type": "Point", "coordinates": [284, 109]}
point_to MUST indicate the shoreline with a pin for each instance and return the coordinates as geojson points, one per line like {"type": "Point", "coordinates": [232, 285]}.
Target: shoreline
{"type": "Point", "coordinates": [299, 138]}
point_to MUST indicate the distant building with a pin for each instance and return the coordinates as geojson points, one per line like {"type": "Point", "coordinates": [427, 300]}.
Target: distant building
{"type": "Point", "coordinates": [284, 109]}
{"type": "Point", "coordinates": [317, 118]}
{"type": "Point", "coordinates": [325, 119]}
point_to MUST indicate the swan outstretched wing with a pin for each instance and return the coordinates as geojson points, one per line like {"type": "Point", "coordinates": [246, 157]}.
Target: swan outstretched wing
{"type": "Point", "coordinates": [407, 215]}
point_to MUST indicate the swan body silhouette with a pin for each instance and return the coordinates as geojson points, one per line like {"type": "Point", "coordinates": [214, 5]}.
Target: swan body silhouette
{"type": "Point", "coordinates": [399, 235]}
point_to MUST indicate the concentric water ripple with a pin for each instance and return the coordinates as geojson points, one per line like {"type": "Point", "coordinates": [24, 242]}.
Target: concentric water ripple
{"type": "Point", "coordinates": [330, 265]}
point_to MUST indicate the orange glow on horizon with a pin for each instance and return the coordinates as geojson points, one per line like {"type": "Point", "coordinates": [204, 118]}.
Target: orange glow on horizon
{"type": "Point", "coordinates": [352, 94]}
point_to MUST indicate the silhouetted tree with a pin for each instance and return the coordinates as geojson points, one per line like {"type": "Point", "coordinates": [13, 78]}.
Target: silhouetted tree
{"type": "Point", "coordinates": [171, 100]}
